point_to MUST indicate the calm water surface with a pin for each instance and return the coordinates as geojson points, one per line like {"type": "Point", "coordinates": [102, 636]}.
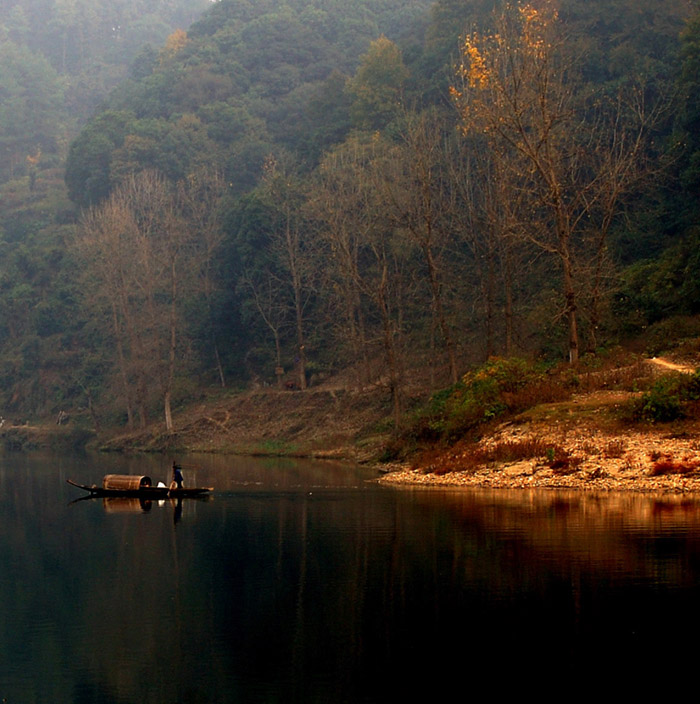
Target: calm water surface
{"type": "Point", "coordinates": [304, 582]}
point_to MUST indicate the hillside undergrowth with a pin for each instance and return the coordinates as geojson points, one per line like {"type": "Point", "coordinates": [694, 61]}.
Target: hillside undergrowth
{"type": "Point", "coordinates": [501, 389]}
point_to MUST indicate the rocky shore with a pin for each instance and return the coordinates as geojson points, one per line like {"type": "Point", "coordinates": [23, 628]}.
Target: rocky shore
{"type": "Point", "coordinates": [600, 458]}
{"type": "Point", "coordinates": [529, 476]}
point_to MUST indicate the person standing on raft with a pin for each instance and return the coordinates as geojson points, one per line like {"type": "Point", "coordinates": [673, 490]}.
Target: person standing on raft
{"type": "Point", "coordinates": [177, 475]}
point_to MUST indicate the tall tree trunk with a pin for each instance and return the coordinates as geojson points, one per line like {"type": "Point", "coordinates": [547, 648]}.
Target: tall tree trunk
{"type": "Point", "coordinates": [292, 250]}
{"type": "Point", "coordinates": [390, 349]}
{"type": "Point", "coordinates": [122, 368]}
{"type": "Point", "coordinates": [279, 371]}
{"type": "Point", "coordinates": [489, 306]}
{"type": "Point", "coordinates": [172, 349]}
{"type": "Point", "coordinates": [571, 316]}
{"type": "Point", "coordinates": [366, 366]}
{"type": "Point", "coordinates": [168, 411]}
{"type": "Point", "coordinates": [219, 367]}
{"type": "Point", "coordinates": [438, 309]}
{"type": "Point", "coordinates": [508, 291]}
{"type": "Point", "coordinates": [301, 347]}
{"type": "Point", "coordinates": [91, 407]}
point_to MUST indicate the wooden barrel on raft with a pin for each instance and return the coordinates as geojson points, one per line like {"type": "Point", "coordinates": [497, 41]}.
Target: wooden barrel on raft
{"type": "Point", "coordinates": [125, 482]}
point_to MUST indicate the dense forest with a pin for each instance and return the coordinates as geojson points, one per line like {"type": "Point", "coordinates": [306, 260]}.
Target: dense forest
{"type": "Point", "coordinates": [200, 195]}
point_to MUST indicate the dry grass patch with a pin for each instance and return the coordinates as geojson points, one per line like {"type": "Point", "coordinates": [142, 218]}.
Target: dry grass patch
{"type": "Point", "coordinates": [471, 457]}
{"type": "Point", "coordinates": [666, 464]}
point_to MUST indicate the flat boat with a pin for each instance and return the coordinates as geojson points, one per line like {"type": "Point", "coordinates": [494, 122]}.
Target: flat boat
{"type": "Point", "coordinates": [140, 487]}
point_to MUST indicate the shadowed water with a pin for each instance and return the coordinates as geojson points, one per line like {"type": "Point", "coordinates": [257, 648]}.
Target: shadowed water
{"type": "Point", "coordinates": [304, 582]}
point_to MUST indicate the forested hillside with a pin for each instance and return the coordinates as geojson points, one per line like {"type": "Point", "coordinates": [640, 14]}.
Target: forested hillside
{"type": "Point", "coordinates": [59, 59]}
{"type": "Point", "coordinates": [288, 190]}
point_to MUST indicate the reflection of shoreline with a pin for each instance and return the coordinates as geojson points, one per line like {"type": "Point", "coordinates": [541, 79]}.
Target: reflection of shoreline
{"type": "Point", "coordinates": [573, 532]}
{"type": "Point", "coordinates": [629, 510]}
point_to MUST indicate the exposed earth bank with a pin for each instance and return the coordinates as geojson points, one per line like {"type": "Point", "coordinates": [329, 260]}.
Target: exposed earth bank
{"type": "Point", "coordinates": [603, 460]}
{"type": "Point", "coordinates": [335, 423]}
{"type": "Point", "coordinates": [325, 422]}
{"type": "Point", "coordinates": [602, 453]}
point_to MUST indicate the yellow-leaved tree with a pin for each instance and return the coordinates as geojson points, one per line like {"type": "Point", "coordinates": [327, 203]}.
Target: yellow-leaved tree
{"type": "Point", "coordinates": [565, 156]}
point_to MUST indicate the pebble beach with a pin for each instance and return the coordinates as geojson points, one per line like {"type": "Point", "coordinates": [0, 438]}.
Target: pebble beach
{"type": "Point", "coordinates": [628, 461]}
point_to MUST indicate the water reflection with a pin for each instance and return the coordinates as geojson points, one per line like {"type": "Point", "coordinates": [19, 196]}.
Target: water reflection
{"type": "Point", "coordinates": [115, 504]}
{"type": "Point", "coordinates": [612, 533]}
{"type": "Point", "coordinates": [302, 582]}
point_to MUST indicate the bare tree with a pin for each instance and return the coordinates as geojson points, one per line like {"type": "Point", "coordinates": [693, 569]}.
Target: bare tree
{"type": "Point", "coordinates": [291, 251]}
{"type": "Point", "coordinates": [486, 213]}
{"type": "Point", "coordinates": [415, 186]}
{"type": "Point", "coordinates": [137, 253]}
{"type": "Point", "coordinates": [199, 197]}
{"type": "Point", "coordinates": [270, 304]}
{"type": "Point", "coordinates": [363, 247]}
{"type": "Point", "coordinates": [102, 246]}
{"type": "Point", "coordinates": [336, 205]}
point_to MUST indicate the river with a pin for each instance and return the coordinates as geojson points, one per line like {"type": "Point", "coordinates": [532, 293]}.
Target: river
{"type": "Point", "coordinates": [303, 581]}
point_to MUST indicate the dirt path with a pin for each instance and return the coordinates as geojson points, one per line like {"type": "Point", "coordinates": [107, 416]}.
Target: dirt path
{"type": "Point", "coordinates": [672, 366]}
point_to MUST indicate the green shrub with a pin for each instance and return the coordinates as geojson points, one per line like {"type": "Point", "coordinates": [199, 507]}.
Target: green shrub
{"type": "Point", "coordinates": [486, 393]}
{"type": "Point", "coordinates": [668, 398]}
{"type": "Point", "coordinates": [483, 395]}
{"type": "Point", "coordinates": [670, 332]}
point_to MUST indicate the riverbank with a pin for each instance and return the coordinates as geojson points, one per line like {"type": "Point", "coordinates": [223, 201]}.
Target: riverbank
{"type": "Point", "coordinates": [45, 436]}
{"type": "Point", "coordinates": [585, 441]}
{"type": "Point", "coordinates": [593, 452]}
{"type": "Point", "coordinates": [326, 423]}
